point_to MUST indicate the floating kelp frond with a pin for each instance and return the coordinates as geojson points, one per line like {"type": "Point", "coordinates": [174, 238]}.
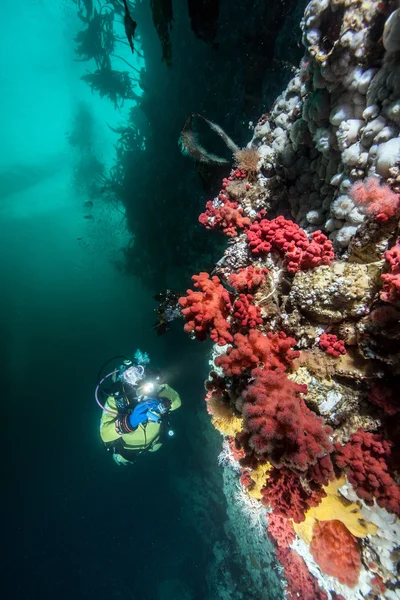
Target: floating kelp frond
{"type": "Point", "coordinates": [191, 146]}
{"type": "Point", "coordinates": [219, 131]}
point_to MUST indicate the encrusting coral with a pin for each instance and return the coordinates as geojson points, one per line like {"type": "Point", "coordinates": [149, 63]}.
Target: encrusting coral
{"type": "Point", "coordinates": [304, 308]}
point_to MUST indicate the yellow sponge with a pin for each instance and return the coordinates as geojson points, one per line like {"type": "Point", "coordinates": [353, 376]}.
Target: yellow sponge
{"type": "Point", "coordinates": [335, 507]}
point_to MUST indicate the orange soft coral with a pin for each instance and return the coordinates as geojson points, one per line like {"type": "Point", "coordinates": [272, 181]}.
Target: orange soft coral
{"type": "Point", "coordinates": [247, 279]}
{"type": "Point", "coordinates": [207, 309]}
{"type": "Point", "coordinates": [336, 552]}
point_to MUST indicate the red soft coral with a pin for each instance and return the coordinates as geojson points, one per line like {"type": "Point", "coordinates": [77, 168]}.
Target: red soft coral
{"type": "Point", "coordinates": [224, 215]}
{"type": "Point", "coordinates": [286, 237]}
{"type": "Point", "coordinates": [236, 174]}
{"type": "Point", "coordinates": [336, 552]}
{"type": "Point", "coordinates": [376, 199]}
{"type": "Point", "coordinates": [247, 279]}
{"type": "Point", "coordinates": [282, 428]}
{"type": "Point", "coordinates": [366, 459]}
{"type": "Point", "coordinates": [330, 343]}
{"type": "Point", "coordinates": [391, 280]}
{"type": "Point", "coordinates": [281, 529]}
{"type": "Point", "coordinates": [378, 584]}
{"type": "Point", "coordinates": [206, 310]}
{"type": "Point", "coordinates": [322, 472]}
{"type": "Point", "coordinates": [246, 313]}
{"type": "Point", "coordinates": [302, 585]}
{"type": "Point", "coordinates": [272, 350]}
{"type": "Point", "coordinates": [237, 452]}
{"type": "Point", "coordinates": [286, 495]}
{"type": "Point", "coordinates": [245, 478]}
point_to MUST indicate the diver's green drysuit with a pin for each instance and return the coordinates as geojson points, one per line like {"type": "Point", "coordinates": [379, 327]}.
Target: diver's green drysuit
{"type": "Point", "coordinates": [146, 436]}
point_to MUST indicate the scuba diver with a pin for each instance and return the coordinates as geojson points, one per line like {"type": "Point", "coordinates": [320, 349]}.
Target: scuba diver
{"type": "Point", "coordinates": [136, 412]}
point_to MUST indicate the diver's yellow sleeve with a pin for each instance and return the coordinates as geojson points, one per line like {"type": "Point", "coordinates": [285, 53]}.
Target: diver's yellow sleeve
{"type": "Point", "coordinates": [168, 392]}
{"type": "Point", "coordinates": [107, 424]}
{"type": "Point", "coordinates": [142, 436]}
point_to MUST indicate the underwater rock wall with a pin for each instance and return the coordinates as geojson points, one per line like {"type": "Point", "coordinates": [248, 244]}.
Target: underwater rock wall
{"type": "Point", "coordinates": [304, 312]}
{"type": "Point", "coordinates": [338, 120]}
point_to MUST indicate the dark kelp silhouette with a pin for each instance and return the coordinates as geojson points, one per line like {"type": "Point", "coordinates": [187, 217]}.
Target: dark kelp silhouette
{"type": "Point", "coordinates": [204, 16]}
{"type": "Point", "coordinates": [162, 19]}
{"type": "Point", "coordinates": [88, 7]}
{"type": "Point", "coordinates": [115, 85]}
{"type": "Point", "coordinates": [130, 26]}
{"type": "Point", "coordinates": [97, 41]}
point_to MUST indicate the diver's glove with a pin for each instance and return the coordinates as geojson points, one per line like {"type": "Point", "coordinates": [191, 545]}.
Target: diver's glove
{"type": "Point", "coordinates": [139, 415]}
{"type": "Point", "coordinates": [128, 423]}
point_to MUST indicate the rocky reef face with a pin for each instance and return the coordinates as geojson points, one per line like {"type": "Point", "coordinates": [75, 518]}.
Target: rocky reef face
{"type": "Point", "coordinates": [304, 308]}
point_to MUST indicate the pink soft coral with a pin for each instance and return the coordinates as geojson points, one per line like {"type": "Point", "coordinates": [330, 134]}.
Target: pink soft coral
{"type": "Point", "coordinates": [207, 309]}
{"type": "Point", "coordinates": [286, 237]}
{"type": "Point", "coordinates": [336, 552]}
{"type": "Point", "coordinates": [391, 280]}
{"type": "Point", "coordinates": [282, 428]}
{"type": "Point", "coordinates": [376, 199]}
{"type": "Point", "coordinates": [366, 459]}
{"type": "Point", "coordinates": [273, 350]}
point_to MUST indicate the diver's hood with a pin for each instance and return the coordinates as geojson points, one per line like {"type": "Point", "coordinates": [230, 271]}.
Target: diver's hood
{"type": "Point", "coordinates": [133, 375]}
